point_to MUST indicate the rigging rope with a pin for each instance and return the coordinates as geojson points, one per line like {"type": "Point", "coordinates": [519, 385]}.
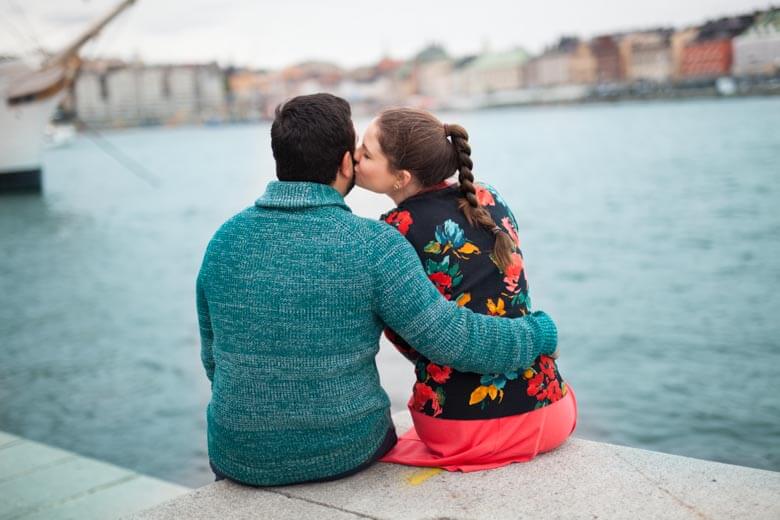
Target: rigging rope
{"type": "Point", "coordinates": [22, 38]}
{"type": "Point", "coordinates": [135, 167]}
{"type": "Point", "coordinates": [31, 30]}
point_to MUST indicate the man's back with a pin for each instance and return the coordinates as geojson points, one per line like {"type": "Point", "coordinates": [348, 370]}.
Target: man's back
{"type": "Point", "coordinates": [296, 393]}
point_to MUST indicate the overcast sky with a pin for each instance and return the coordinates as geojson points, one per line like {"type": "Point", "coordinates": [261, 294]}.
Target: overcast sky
{"type": "Point", "coordinates": [277, 33]}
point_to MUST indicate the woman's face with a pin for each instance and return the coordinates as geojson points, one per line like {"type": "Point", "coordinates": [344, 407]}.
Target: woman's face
{"type": "Point", "coordinates": [372, 168]}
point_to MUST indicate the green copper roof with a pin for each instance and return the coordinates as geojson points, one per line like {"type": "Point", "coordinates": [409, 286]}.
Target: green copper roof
{"type": "Point", "coordinates": [767, 21]}
{"type": "Point", "coordinates": [433, 52]}
{"type": "Point", "coordinates": [494, 60]}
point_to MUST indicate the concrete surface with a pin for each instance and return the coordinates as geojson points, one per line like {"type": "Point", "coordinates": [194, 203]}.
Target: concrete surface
{"type": "Point", "coordinates": [41, 482]}
{"type": "Point", "coordinates": [582, 479]}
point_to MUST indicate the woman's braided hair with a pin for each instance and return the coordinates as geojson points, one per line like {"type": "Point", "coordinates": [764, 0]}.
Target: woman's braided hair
{"type": "Point", "coordinates": [414, 140]}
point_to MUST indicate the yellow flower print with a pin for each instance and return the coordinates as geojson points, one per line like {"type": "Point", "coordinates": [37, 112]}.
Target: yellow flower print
{"type": "Point", "coordinates": [496, 308]}
{"type": "Point", "coordinates": [482, 391]}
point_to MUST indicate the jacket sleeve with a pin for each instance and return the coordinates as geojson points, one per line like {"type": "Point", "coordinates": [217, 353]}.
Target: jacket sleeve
{"type": "Point", "coordinates": [407, 302]}
{"type": "Point", "coordinates": [206, 332]}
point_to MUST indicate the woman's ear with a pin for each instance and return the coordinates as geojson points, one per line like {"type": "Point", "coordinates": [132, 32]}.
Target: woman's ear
{"type": "Point", "coordinates": [404, 178]}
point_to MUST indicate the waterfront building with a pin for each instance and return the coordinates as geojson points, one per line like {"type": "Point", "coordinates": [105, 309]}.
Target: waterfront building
{"type": "Point", "coordinates": [256, 94]}
{"type": "Point", "coordinates": [88, 95]}
{"type": "Point", "coordinates": [137, 94]}
{"type": "Point", "coordinates": [489, 72]}
{"type": "Point", "coordinates": [252, 93]}
{"type": "Point", "coordinates": [554, 66]}
{"type": "Point", "coordinates": [757, 50]}
{"type": "Point", "coordinates": [607, 55]}
{"type": "Point", "coordinates": [372, 87]}
{"type": "Point", "coordinates": [432, 76]}
{"type": "Point", "coordinates": [710, 54]}
{"type": "Point", "coordinates": [461, 76]}
{"type": "Point", "coordinates": [309, 77]}
{"type": "Point", "coordinates": [583, 65]}
{"type": "Point", "coordinates": [679, 41]}
{"type": "Point", "coordinates": [647, 55]}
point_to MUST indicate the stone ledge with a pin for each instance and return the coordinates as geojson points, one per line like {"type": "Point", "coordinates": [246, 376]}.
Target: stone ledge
{"type": "Point", "coordinates": [40, 482]}
{"type": "Point", "coordinates": [582, 479]}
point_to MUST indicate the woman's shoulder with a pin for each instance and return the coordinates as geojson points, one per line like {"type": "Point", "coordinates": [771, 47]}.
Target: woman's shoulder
{"type": "Point", "coordinates": [422, 210]}
{"type": "Point", "coordinates": [400, 218]}
{"type": "Point", "coordinates": [489, 196]}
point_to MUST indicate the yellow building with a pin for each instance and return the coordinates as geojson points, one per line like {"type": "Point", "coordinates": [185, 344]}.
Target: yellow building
{"type": "Point", "coordinates": [647, 55]}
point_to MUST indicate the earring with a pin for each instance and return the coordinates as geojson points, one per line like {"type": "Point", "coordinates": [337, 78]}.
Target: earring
{"type": "Point", "coordinates": [397, 186]}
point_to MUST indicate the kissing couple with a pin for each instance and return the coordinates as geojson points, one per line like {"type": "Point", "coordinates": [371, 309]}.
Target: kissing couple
{"type": "Point", "coordinates": [294, 292]}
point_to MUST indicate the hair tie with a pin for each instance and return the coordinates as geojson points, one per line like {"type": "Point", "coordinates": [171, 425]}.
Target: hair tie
{"type": "Point", "coordinates": [496, 230]}
{"type": "Point", "coordinates": [446, 130]}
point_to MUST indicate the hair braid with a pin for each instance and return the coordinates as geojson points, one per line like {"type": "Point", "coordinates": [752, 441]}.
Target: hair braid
{"type": "Point", "coordinates": [469, 205]}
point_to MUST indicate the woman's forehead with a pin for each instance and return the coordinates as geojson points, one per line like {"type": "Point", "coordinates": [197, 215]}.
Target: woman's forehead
{"type": "Point", "coordinates": [370, 138]}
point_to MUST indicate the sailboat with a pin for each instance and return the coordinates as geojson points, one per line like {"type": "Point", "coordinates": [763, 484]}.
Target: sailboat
{"type": "Point", "coordinates": [30, 97]}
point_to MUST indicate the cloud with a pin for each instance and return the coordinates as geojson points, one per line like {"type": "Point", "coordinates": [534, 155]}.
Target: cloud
{"type": "Point", "coordinates": [67, 18]}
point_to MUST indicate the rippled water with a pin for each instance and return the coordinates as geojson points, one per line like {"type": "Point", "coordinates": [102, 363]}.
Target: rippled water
{"type": "Point", "coordinates": [651, 233]}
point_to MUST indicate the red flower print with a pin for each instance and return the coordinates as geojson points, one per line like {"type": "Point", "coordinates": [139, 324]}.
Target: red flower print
{"type": "Point", "coordinates": [401, 220]}
{"type": "Point", "coordinates": [512, 273]}
{"type": "Point", "coordinates": [554, 392]}
{"type": "Point", "coordinates": [535, 384]}
{"type": "Point", "coordinates": [443, 283]}
{"type": "Point", "coordinates": [510, 229]}
{"type": "Point", "coordinates": [440, 374]}
{"type": "Point", "coordinates": [547, 366]}
{"type": "Point", "coordinates": [544, 385]}
{"type": "Point", "coordinates": [421, 395]}
{"type": "Point", "coordinates": [484, 197]}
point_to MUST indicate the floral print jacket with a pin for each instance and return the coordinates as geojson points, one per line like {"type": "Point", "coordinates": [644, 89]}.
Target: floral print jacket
{"type": "Point", "coordinates": [458, 260]}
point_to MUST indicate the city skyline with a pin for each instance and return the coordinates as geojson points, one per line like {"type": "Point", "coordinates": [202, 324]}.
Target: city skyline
{"type": "Point", "coordinates": [349, 34]}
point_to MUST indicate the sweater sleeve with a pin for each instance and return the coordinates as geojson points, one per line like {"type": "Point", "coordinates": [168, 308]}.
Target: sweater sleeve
{"type": "Point", "coordinates": [407, 302]}
{"type": "Point", "coordinates": [206, 332]}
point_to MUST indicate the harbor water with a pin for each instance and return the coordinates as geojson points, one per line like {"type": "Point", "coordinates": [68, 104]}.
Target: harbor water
{"type": "Point", "coordinates": [651, 233]}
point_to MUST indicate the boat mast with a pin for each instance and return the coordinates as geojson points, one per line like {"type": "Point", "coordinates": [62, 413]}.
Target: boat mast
{"type": "Point", "coordinates": [63, 56]}
{"type": "Point", "coordinates": [59, 70]}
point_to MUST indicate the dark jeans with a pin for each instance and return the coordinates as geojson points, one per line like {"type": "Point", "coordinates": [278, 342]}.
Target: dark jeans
{"type": "Point", "coordinates": [387, 444]}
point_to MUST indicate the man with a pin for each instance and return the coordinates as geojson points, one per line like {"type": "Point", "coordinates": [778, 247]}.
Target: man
{"type": "Point", "coordinates": [292, 297]}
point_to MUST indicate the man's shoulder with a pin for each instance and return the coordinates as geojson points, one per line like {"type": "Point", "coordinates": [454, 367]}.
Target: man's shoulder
{"type": "Point", "coordinates": [236, 221]}
{"type": "Point", "coordinates": [348, 226]}
{"type": "Point", "coordinates": [230, 227]}
{"type": "Point", "coordinates": [367, 229]}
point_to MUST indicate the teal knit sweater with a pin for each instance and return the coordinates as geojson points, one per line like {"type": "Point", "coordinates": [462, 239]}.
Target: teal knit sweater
{"type": "Point", "coordinates": [292, 297]}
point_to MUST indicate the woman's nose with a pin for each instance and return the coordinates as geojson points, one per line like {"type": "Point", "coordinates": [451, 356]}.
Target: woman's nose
{"type": "Point", "coordinates": [358, 155]}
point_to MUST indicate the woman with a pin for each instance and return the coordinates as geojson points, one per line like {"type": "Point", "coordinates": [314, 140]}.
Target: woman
{"type": "Point", "coordinates": [466, 238]}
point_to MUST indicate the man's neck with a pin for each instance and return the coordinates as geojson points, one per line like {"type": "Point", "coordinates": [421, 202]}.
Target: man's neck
{"type": "Point", "coordinates": [343, 186]}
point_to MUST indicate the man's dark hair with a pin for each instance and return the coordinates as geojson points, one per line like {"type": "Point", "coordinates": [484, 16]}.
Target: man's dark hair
{"type": "Point", "coordinates": [309, 137]}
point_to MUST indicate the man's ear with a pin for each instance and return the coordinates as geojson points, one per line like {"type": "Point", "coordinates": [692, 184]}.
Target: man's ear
{"type": "Point", "coordinates": [347, 168]}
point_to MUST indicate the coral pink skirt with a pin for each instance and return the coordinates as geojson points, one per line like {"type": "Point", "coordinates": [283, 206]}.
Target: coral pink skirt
{"type": "Point", "coordinates": [474, 445]}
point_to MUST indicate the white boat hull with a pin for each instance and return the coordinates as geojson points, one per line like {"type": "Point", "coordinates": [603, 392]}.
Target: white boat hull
{"type": "Point", "coordinates": [22, 136]}
{"type": "Point", "coordinates": [23, 128]}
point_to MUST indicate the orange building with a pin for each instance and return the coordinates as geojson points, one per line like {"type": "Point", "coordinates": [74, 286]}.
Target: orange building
{"type": "Point", "coordinates": [680, 40]}
{"type": "Point", "coordinates": [711, 53]}
{"type": "Point", "coordinates": [707, 58]}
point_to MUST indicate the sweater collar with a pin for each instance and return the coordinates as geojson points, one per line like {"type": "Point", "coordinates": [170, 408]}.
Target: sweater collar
{"type": "Point", "coordinates": [285, 194]}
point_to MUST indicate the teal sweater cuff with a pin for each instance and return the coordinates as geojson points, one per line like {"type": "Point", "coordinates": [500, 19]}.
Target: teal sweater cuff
{"type": "Point", "coordinates": [548, 332]}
